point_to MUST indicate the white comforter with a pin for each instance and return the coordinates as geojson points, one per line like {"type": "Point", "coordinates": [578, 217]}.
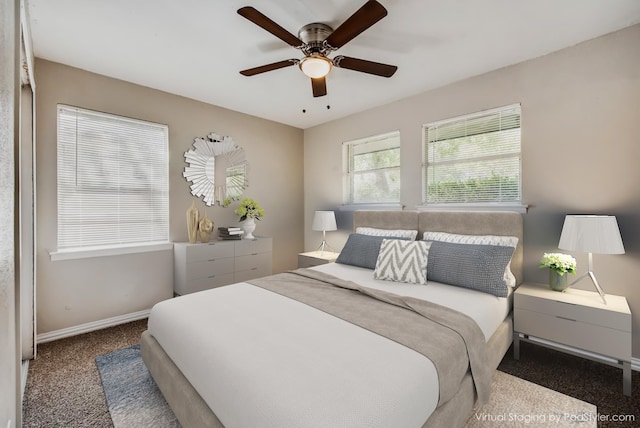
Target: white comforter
{"type": "Point", "coordinates": [263, 360]}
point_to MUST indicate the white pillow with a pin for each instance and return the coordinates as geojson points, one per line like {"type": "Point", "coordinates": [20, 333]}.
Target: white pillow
{"type": "Point", "coordinates": [503, 241]}
{"type": "Point", "coordinates": [390, 233]}
{"type": "Point", "coordinates": [402, 261]}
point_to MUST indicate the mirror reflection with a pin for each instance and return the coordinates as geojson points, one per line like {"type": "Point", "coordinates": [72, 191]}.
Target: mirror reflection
{"type": "Point", "coordinates": [217, 169]}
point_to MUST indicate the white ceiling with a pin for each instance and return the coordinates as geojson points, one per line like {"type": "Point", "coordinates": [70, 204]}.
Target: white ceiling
{"type": "Point", "coordinates": [196, 48]}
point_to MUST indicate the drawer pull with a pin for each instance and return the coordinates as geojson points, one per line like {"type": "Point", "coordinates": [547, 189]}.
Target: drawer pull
{"type": "Point", "coordinates": [565, 318]}
{"type": "Point", "coordinates": [211, 276]}
{"type": "Point", "coordinates": [254, 254]}
{"type": "Point", "coordinates": [212, 260]}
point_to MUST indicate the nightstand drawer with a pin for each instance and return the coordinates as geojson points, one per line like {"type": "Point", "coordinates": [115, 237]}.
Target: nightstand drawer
{"type": "Point", "coordinates": [563, 329]}
{"type": "Point", "coordinates": [586, 314]}
{"type": "Point", "coordinates": [305, 262]}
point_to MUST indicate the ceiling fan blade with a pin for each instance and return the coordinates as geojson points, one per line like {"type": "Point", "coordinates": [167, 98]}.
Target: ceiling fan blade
{"type": "Point", "coordinates": [376, 68]}
{"type": "Point", "coordinates": [319, 86]}
{"type": "Point", "coordinates": [370, 13]}
{"type": "Point", "coordinates": [262, 21]}
{"type": "Point", "coordinates": [269, 67]}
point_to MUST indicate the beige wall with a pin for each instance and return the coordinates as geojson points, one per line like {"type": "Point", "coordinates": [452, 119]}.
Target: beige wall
{"type": "Point", "coordinates": [76, 292]}
{"type": "Point", "coordinates": [580, 149]}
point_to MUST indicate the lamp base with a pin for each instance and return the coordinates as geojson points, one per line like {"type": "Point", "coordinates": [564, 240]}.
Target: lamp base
{"type": "Point", "coordinates": [591, 275]}
{"type": "Point", "coordinates": [324, 247]}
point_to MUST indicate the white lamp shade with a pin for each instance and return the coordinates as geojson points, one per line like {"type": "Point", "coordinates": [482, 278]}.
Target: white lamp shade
{"type": "Point", "coordinates": [324, 221]}
{"type": "Point", "coordinates": [597, 234]}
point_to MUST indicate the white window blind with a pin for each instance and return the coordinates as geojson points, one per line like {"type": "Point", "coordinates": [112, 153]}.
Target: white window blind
{"type": "Point", "coordinates": [473, 159]}
{"type": "Point", "coordinates": [113, 187]}
{"type": "Point", "coordinates": [372, 173]}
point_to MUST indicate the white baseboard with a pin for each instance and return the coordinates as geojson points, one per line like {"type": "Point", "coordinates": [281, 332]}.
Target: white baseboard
{"type": "Point", "coordinates": [92, 326]}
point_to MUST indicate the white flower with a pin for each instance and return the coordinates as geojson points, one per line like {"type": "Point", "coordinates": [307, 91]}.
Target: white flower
{"type": "Point", "coordinates": [559, 262]}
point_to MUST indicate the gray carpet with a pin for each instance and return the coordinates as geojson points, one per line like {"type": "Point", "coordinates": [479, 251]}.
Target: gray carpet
{"type": "Point", "coordinates": [134, 400]}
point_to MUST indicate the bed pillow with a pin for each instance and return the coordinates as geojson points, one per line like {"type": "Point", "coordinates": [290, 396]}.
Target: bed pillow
{"type": "Point", "coordinates": [478, 267]}
{"type": "Point", "coordinates": [402, 261]}
{"type": "Point", "coordinates": [389, 233]}
{"type": "Point", "coordinates": [506, 241]}
{"type": "Point", "coordinates": [361, 250]}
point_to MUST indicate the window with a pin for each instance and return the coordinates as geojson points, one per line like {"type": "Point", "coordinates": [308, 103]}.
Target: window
{"type": "Point", "coordinates": [113, 187]}
{"type": "Point", "coordinates": [473, 159]}
{"type": "Point", "coordinates": [372, 173]}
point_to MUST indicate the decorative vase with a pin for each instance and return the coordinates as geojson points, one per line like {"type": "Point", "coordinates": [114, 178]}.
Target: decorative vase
{"type": "Point", "coordinates": [249, 226]}
{"type": "Point", "coordinates": [558, 282]}
{"type": "Point", "coordinates": [206, 228]}
{"type": "Point", "coordinates": [192, 222]}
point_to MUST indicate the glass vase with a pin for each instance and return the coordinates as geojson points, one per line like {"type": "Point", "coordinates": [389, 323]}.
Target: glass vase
{"type": "Point", "coordinates": [558, 281]}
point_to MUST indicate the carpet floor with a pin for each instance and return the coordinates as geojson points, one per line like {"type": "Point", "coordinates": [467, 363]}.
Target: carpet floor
{"type": "Point", "coordinates": [64, 387]}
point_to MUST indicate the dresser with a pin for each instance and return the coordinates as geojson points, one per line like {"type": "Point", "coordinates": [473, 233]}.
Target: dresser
{"type": "Point", "coordinates": [575, 321]}
{"type": "Point", "coordinates": [200, 266]}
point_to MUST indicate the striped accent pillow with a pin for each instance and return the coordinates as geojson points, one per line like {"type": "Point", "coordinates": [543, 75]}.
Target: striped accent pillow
{"type": "Point", "coordinates": [402, 261]}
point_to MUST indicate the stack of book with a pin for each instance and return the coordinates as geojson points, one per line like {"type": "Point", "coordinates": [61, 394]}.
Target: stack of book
{"type": "Point", "coordinates": [230, 233]}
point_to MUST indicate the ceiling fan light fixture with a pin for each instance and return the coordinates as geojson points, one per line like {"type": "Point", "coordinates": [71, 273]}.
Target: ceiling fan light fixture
{"type": "Point", "coordinates": [315, 66]}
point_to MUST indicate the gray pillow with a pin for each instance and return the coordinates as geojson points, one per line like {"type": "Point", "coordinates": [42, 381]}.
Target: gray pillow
{"type": "Point", "coordinates": [478, 267]}
{"type": "Point", "coordinates": [361, 250]}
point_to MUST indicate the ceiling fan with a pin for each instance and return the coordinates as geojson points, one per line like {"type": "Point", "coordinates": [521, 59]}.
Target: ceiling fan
{"type": "Point", "coordinates": [317, 41]}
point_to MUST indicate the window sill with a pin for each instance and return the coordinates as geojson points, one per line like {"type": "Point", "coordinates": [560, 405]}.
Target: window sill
{"type": "Point", "coordinates": [374, 207]}
{"type": "Point", "coordinates": [108, 251]}
{"type": "Point", "coordinates": [519, 208]}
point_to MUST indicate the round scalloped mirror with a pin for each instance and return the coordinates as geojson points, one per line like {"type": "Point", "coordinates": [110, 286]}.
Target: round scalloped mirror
{"type": "Point", "coordinates": [217, 169]}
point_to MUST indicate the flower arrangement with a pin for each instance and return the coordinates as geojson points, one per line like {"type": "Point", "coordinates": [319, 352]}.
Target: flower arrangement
{"type": "Point", "coordinates": [561, 263]}
{"type": "Point", "coordinates": [249, 208]}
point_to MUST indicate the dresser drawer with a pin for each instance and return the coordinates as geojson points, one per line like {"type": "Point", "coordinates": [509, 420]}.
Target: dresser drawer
{"type": "Point", "coordinates": [207, 283]}
{"type": "Point", "coordinates": [248, 246]}
{"type": "Point", "coordinates": [253, 261]}
{"type": "Point", "coordinates": [257, 272]}
{"type": "Point", "coordinates": [205, 269]}
{"type": "Point", "coordinates": [571, 332]}
{"type": "Point", "coordinates": [210, 251]}
{"type": "Point", "coordinates": [590, 315]}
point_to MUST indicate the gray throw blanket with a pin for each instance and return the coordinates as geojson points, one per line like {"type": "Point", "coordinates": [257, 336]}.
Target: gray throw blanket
{"type": "Point", "coordinates": [450, 339]}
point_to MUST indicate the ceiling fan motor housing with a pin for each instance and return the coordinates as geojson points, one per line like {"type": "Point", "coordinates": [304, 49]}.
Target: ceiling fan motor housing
{"type": "Point", "coordinates": [313, 35]}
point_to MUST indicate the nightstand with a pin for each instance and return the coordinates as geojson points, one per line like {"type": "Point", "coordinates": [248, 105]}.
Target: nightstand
{"type": "Point", "coordinates": [576, 322]}
{"type": "Point", "coordinates": [315, 258]}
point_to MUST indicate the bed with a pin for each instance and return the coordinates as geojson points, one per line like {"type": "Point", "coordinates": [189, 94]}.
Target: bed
{"type": "Point", "coordinates": [343, 344]}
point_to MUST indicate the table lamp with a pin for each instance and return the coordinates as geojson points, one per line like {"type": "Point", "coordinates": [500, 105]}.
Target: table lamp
{"type": "Point", "coordinates": [591, 234]}
{"type": "Point", "coordinates": [324, 221]}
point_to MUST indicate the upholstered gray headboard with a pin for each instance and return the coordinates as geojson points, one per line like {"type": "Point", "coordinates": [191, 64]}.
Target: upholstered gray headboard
{"type": "Point", "coordinates": [468, 223]}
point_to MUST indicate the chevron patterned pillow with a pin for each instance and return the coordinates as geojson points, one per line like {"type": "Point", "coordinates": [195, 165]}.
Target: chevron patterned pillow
{"type": "Point", "coordinates": [402, 261]}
